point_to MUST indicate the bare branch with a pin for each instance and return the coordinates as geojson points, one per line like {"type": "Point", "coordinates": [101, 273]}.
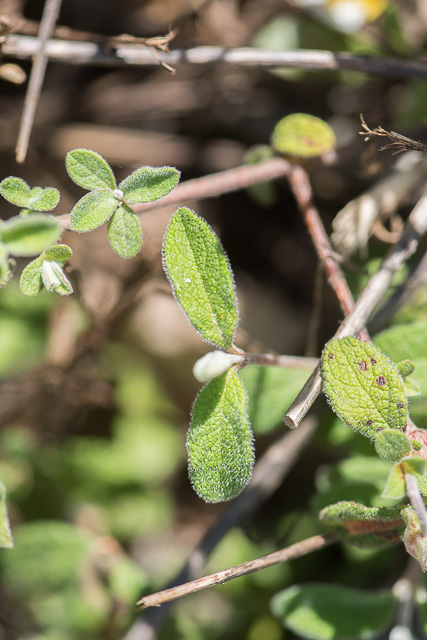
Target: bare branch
{"type": "Point", "coordinates": [295, 362]}
{"type": "Point", "coordinates": [300, 185]}
{"type": "Point", "coordinates": [221, 577]}
{"type": "Point", "coordinates": [49, 18]}
{"type": "Point", "coordinates": [415, 228]}
{"type": "Point", "coordinates": [93, 53]}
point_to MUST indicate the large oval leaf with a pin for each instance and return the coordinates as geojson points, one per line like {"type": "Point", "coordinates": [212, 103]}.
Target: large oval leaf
{"type": "Point", "coordinates": [329, 612]}
{"type": "Point", "coordinates": [219, 443]}
{"type": "Point", "coordinates": [28, 236]}
{"type": "Point", "coordinates": [363, 386]}
{"type": "Point", "coordinates": [201, 278]}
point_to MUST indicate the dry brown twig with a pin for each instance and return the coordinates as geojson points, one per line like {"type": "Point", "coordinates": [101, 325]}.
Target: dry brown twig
{"type": "Point", "coordinates": [398, 142]}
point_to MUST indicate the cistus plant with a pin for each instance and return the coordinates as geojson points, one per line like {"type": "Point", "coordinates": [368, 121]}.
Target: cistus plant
{"type": "Point", "coordinates": [363, 386]}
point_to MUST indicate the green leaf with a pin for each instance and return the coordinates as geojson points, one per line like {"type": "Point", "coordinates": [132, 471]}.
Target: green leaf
{"type": "Point", "coordinates": [395, 487]}
{"type": "Point", "coordinates": [91, 211]}
{"type": "Point", "coordinates": [58, 252]}
{"type": "Point", "coordinates": [43, 199]}
{"type": "Point", "coordinates": [363, 527]}
{"type": "Point", "coordinates": [363, 386]}
{"type": "Point", "coordinates": [303, 136]}
{"type": "Point", "coordinates": [89, 170]}
{"type": "Point", "coordinates": [415, 543]}
{"type": "Point", "coordinates": [31, 282]}
{"type": "Point", "coordinates": [30, 235]}
{"type": "Point", "coordinates": [201, 277]}
{"type": "Point", "coordinates": [54, 279]}
{"type": "Point", "coordinates": [418, 467]}
{"type": "Point", "coordinates": [411, 387]}
{"type": "Point", "coordinates": [392, 445]}
{"type": "Point", "coordinates": [124, 232]}
{"type": "Point", "coordinates": [16, 191]}
{"type": "Point", "coordinates": [405, 368]}
{"type": "Point", "coordinates": [47, 556]}
{"type": "Point", "coordinates": [6, 272]}
{"type": "Point", "coordinates": [219, 442]}
{"type": "Point", "coordinates": [147, 184]}
{"type": "Point", "coordinates": [6, 540]}
{"type": "Point", "coordinates": [329, 612]}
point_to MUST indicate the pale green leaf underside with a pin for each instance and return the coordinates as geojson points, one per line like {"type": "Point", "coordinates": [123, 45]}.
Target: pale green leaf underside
{"type": "Point", "coordinates": [363, 386]}
{"type": "Point", "coordinates": [31, 282]}
{"type": "Point", "coordinates": [29, 235]}
{"type": "Point", "coordinates": [147, 184]}
{"type": "Point", "coordinates": [6, 540]}
{"type": "Point", "coordinates": [93, 210]}
{"type": "Point", "coordinates": [201, 277]}
{"type": "Point", "coordinates": [329, 612]}
{"type": "Point", "coordinates": [219, 443]}
{"type": "Point", "coordinates": [16, 191]}
{"type": "Point", "coordinates": [124, 232]}
{"type": "Point", "coordinates": [89, 170]}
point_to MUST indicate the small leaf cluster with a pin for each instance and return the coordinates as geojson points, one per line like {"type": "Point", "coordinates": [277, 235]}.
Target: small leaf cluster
{"type": "Point", "coordinates": [109, 202]}
{"type": "Point", "coordinates": [34, 232]}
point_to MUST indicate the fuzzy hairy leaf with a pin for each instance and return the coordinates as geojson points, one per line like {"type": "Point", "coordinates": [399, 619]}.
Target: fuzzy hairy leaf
{"type": "Point", "coordinates": [303, 136]}
{"type": "Point", "coordinates": [415, 543]}
{"type": "Point", "coordinates": [43, 199]}
{"type": "Point", "coordinates": [28, 236]}
{"type": "Point", "coordinates": [31, 282]}
{"type": "Point", "coordinates": [333, 612]}
{"type": "Point", "coordinates": [395, 487]}
{"type": "Point", "coordinates": [16, 191]}
{"type": "Point", "coordinates": [124, 232]}
{"type": "Point", "coordinates": [89, 170]}
{"type": "Point", "coordinates": [363, 386]}
{"type": "Point", "coordinates": [6, 540]}
{"type": "Point", "coordinates": [147, 184]}
{"type": "Point", "coordinates": [392, 445]}
{"type": "Point", "coordinates": [363, 527]}
{"type": "Point", "coordinates": [219, 442]}
{"type": "Point", "coordinates": [6, 272]}
{"type": "Point", "coordinates": [93, 210]}
{"type": "Point", "coordinates": [201, 277]}
{"type": "Point", "coordinates": [58, 252]}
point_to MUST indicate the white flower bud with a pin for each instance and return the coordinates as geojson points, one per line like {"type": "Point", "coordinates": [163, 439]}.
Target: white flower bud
{"type": "Point", "coordinates": [215, 363]}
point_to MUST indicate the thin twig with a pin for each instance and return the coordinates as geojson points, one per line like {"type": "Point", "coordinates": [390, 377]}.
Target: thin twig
{"type": "Point", "coordinates": [72, 52]}
{"type": "Point", "coordinates": [268, 474]}
{"type": "Point", "coordinates": [398, 142]}
{"type": "Point", "coordinates": [212, 185]}
{"type": "Point", "coordinates": [47, 24]}
{"type": "Point", "coordinates": [295, 362]}
{"type": "Point", "coordinates": [221, 577]}
{"type": "Point", "coordinates": [301, 188]}
{"type": "Point", "coordinates": [415, 228]}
